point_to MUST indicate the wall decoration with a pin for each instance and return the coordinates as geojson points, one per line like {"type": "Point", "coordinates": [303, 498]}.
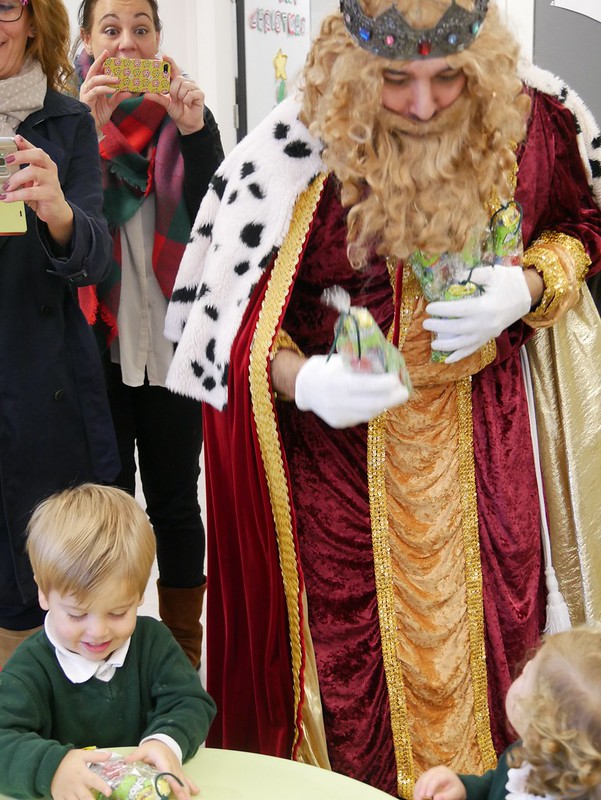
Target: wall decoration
{"type": "Point", "coordinates": [281, 76]}
{"type": "Point", "coordinates": [274, 37]}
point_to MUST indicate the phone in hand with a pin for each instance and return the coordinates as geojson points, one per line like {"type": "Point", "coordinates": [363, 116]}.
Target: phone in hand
{"type": "Point", "coordinates": [12, 215]}
{"type": "Point", "coordinates": [140, 74]}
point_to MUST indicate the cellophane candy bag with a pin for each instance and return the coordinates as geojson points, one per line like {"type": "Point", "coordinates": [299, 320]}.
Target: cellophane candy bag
{"type": "Point", "coordinates": [448, 276]}
{"type": "Point", "coordinates": [506, 235]}
{"type": "Point", "coordinates": [132, 781]}
{"type": "Point", "coordinates": [359, 340]}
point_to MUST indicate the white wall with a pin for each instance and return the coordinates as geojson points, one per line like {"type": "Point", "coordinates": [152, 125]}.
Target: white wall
{"type": "Point", "coordinates": [201, 36]}
{"type": "Point", "coordinates": [215, 50]}
{"type": "Point", "coordinates": [520, 20]}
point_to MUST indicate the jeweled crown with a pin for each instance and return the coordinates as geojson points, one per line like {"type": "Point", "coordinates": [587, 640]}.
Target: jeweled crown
{"type": "Point", "coordinates": [391, 36]}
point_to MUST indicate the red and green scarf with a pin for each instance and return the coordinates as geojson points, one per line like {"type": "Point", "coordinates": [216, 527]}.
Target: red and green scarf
{"type": "Point", "coordinates": [140, 155]}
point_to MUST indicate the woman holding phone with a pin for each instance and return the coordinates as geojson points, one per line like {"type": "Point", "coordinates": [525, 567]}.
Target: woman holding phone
{"type": "Point", "coordinates": [158, 153]}
{"type": "Point", "coordinates": [55, 423]}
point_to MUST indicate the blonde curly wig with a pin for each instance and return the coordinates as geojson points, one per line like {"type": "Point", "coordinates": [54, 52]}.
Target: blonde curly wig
{"type": "Point", "coordinates": [405, 191]}
{"type": "Point", "coordinates": [563, 739]}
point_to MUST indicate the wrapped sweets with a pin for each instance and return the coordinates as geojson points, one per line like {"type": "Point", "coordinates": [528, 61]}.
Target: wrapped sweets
{"type": "Point", "coordinates": [434, 273]}
{"type": "Point", "coordinates": [506, 235]}
{"type": "Point", "coordinates": [135, 781]}
{"type": "Point", "coordinates": [359, 340]}
{"type": "Point", "coordinates": [448, 276]}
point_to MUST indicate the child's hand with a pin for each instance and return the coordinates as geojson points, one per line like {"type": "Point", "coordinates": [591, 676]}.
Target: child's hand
{"type": "Point", "coordinates": [73, 780]}
{"type": "Point", "coordinates": [439, 783]}
{"type": "Point", "coordinates": [162, 757]}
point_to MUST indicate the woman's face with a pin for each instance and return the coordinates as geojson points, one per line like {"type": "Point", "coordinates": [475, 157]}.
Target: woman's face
{"type": "Point", "coordinates": [419, 90]}
{"type": "Point", "coordinates": [123, 27]}
{"type": "Point", "coordinates": [13, 38]}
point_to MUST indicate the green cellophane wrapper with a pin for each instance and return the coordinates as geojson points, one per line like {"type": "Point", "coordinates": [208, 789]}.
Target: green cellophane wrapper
{"type": "Point", "coordinates": [360, 342]}
{"type": "Point", "coordinates": [132, 781]}
{"type": "Point", "coordinates": [447, 276]}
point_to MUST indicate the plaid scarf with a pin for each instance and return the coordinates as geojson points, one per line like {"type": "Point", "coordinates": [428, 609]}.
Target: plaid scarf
{"type": "Point", "coordinates": [140, 154]}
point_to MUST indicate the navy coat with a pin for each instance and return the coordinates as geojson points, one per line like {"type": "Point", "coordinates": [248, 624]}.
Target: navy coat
{"type": "Point", "coordinates": [55, 423]}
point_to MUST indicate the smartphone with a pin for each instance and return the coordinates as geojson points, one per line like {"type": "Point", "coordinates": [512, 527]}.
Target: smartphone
{"type": "Point", "coordinates": [12, 215]}
{"type": "Point", "coordinates": [140, 74]}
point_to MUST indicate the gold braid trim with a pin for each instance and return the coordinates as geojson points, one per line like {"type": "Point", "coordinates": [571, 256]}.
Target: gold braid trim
{"type": "Point", "coordinates": [573, 247]}
{"type": "Point", "coordinates": [376, 478]}
{"type": "Point", "coordinates": [488, 353]}
{"type": "Point", "coordinates": [473, 572]}
{"type": "Point", "coordinates": [563, 263]}
{"type": "Point", "coordinates": [264, 414]}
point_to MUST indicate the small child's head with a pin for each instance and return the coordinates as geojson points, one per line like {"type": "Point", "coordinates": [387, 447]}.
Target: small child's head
{"type": "Point", "coordinates": [91, 549]}
{"type": "Point", "coordinates": [555, 707]}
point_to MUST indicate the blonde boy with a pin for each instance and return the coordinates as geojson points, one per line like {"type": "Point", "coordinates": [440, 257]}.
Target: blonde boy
{"type": "Point", "coordinates": [97, 674]}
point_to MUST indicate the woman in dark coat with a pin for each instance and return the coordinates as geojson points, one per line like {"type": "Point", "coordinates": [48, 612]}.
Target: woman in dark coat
{"type": "Point", "coordinates": [55, 425]}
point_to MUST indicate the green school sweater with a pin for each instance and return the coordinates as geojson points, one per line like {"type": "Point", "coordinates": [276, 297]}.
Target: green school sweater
{"type": "Point", "coordinates": [43, 715]}
{"type": "Point", "coordinates": [491, 785]}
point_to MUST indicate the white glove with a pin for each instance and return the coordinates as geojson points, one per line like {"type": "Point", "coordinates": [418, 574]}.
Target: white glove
{"type": "Point", "coordinates": [467, 325]}
{"type": "Point", "coordinates": [343, 398]}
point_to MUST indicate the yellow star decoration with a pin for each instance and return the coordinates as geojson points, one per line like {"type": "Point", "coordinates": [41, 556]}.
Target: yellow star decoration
{"type": "Point", "coordinates": [279, 62]}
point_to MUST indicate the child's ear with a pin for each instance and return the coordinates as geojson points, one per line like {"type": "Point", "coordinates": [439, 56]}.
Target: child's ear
{"type": "Point", "coordinates": [141, 601]}
{"type": "Point", "coordinates": [43, 600]}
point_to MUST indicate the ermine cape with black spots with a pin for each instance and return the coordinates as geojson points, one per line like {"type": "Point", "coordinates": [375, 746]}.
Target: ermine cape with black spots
{"type": "Point", "coordinates": [244, 219]}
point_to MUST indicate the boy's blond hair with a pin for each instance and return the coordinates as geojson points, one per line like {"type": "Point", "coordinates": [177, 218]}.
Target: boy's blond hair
{"type": "Point", "coordinates": [563, 740]}
{"type": "Point", "coordinates": [83, 537]}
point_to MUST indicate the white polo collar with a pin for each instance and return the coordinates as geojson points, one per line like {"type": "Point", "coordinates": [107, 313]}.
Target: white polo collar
{"type": "Point", "coordinates": [79, 669]}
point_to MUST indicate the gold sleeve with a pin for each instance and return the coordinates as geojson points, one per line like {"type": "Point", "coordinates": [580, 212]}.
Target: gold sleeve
{"type": "Point", "coordinates": [562, 262]}
{"type": "Point", "coordinates": [283, 341]}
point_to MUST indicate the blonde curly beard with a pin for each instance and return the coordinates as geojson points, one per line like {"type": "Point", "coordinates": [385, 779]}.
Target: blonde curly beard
{"type": "Point", "coordinates": [422, 193]}
{"type": "Point", "coordinates": [414, 185]}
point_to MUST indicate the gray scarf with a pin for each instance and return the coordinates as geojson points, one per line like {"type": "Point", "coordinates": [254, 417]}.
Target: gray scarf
{"type": "Point", "coordinates": [21, 95]}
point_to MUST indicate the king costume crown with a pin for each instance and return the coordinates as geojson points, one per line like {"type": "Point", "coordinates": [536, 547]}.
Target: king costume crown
{"type": "Point", "coordinates": [391, 36]}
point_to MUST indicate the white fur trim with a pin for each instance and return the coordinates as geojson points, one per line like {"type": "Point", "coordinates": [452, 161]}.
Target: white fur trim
{"type": "Point", "coordinates": [589, 135]}
{"type": "Point", "coordinates": [257, 185]}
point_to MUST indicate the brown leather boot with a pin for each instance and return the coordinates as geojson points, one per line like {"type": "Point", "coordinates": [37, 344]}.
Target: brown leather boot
{"type": "Point", "coordinates": [10, 640]}
{"type": "Point", "coordinates": [180, 610]}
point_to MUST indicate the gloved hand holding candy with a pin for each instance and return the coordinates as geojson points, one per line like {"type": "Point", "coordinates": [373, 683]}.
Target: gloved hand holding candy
{"type": "Point", "coordinates": [464, 326]}
{"type": "Point", "coordinates": [366, 376]}
{"type": "Point", "coordinates": [476, 294]}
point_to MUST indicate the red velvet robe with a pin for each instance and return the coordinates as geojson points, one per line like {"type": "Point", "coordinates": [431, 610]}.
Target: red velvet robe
{"type": "Point", "coordinates": [249, 661]}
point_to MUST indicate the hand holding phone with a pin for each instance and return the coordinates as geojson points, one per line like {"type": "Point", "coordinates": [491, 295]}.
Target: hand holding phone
{"type": "Point", "coordinates": [12, 215]}
{"type": "Point", "coordinates": [136, 75]}
{"type": "Point", "coordinates": [106, 85]}
{"type": "Point", "coordinates": [36, 184]}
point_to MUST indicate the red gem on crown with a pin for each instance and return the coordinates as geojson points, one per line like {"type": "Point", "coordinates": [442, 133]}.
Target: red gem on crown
{"type": "Point", "coordinates": [391, 36]}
